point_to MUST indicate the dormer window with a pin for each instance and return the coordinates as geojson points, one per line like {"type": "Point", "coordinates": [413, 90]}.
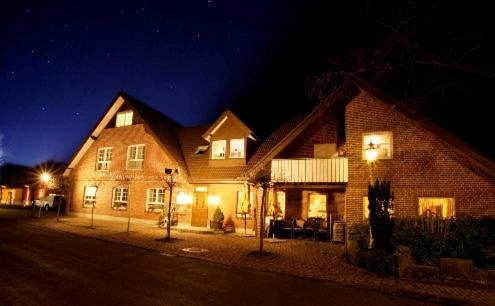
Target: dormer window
{"type": "Point", "coordinates": [218, 148]}
{"type": "Point", "coordinates": [237, 148]}
{"type": "Point", "coordinates": [200, 150]}
{"type": "Point", "coordinates": [123, 119]}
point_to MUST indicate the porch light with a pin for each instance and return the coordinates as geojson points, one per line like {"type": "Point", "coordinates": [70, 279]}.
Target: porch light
{"type": "Point", "coordinates": [184, 198]}
{"type": "Point", "coordinates": [371, 153]}
{"type": "Point", "coordinates": [213, 199]}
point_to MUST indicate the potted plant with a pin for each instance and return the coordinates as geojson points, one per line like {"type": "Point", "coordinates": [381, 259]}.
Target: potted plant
{"type": "Point", "coordinates": [217, 221]}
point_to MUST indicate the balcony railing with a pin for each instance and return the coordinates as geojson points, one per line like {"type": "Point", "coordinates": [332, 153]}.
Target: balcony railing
{"type": "Point", "coordinates": [311, 170]}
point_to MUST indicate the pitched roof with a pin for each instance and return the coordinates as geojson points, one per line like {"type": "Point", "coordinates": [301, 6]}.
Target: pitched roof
{"type": "Point", "coordinates": [468, 152]}
{"type": "Point", "coordinates": [199, 171]}
{"type": "Point", "coordinates": [275, 138]}
{"type": "Point", "coordinates": [286, 134]}
{"type": "Point", "coordinates": [226, 115]}
{"type": "Point", "coordinates": [161, 127]}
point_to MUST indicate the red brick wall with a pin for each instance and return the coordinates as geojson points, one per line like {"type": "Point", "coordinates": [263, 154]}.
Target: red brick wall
{"type": "Point", "coordinates": [422, 164]}
{"type": "Point", "coordinates": [119, 139]}
{"type": "Point", "coordinates": [321, 132]}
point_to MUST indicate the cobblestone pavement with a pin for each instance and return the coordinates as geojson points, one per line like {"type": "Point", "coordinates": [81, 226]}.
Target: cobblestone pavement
{"type": "Point", "coordinates": [302, 258]}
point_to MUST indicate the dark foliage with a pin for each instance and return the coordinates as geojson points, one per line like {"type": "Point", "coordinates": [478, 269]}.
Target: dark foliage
{"type": "Point", "coordinates": [465, 238]}
{"type": "Point", "coordinates": [380, 203]}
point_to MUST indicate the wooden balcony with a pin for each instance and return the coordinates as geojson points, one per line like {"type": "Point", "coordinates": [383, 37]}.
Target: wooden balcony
{"type": "Point", "coordinates": [311, 170]}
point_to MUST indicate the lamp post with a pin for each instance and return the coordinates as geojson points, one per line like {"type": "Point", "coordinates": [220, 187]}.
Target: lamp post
{"type": "Point", "coordinates": [170, 181]}
{"type": "Point", "coordinates": [371, 154]}
{"type": "Point", "coordinates": [45, 177]}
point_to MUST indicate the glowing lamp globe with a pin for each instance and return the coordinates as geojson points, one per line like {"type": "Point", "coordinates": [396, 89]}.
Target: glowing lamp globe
{"type": "Point", "coordinates": [45, 177]}
{"type": "Point", "coordinates": [371, 153]}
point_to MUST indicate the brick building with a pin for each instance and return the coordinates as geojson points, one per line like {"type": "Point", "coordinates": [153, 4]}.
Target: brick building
{"type": "Point", "coordinates": [317, 162]}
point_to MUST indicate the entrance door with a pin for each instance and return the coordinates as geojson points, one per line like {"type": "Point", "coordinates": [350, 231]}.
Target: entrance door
{"type": "Point", "coordinates": [200, 210]}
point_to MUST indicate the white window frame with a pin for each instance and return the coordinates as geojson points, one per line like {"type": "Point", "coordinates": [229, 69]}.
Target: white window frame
{"type": "Point", "coordinates": [135, 159]}
{"type": "Point", "coordinates": [213, 149]}
{"type": "Point", "coordinates": [243, 148]}
{"type": "Point", "coordinates": [103, 165]}
{"type": "Point", "coordinates": [119, 196]}
{"type": "Point", "coordinates": [155, 192]}
{"type": "Point", "coordinates": [89, 199]}
{"type": "Point", "coordinates": [365, 144]}
{"type": "Point", "coordinates": [124, 118]}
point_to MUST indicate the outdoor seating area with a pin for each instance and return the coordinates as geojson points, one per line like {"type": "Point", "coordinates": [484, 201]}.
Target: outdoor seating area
{"type": "Point", "coordinates": [313, 228]}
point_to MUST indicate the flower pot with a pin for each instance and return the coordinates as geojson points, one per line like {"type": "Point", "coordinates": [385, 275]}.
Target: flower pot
{"type": "Point", "coordinates": [216, 225]}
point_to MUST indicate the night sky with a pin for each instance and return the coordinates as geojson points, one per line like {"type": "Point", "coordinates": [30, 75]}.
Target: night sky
{"type": "Point", "coordinates": [62, 62]}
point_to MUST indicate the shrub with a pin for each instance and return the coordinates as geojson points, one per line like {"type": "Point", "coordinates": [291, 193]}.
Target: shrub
{"type": "Point", "coordinates": [382, 226]}
{"type": "Point", "coordinates": [218, 215]}
{"type": "Point", "coordinates": [360, 232]}
{"type": "Point", "coordinates": [465, 238]}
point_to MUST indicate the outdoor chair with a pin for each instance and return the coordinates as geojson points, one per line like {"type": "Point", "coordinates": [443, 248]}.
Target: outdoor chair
{"type": "Point", "coordinates": [323, 229]}
{"type": "Point", "coordinates": [311, 228]}
{"type": "Point", "coordinates": [299, 227]}
{"type": "Point", "coordinates": [288, 227]}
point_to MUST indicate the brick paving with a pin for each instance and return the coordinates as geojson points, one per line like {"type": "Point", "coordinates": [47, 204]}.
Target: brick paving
{"type": "Point", "coordinates": [301, 258]}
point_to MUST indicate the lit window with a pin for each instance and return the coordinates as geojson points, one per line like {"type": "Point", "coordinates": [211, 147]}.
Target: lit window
{"type": "Point", "coordinates": [123, 119]}
{"type": "Point", "coordinates": [200, 150]}
{"type": "Point", "coordinates": [436, 207]}
{"type": "Point", "coordinates": [366, 210]}
{"type": "Point", "coordinates": [243, 206]}
{"type": "Point", "coordinates": [120, 196]}
{"type": "Point", "coordinates": [89, 196]}
{"type": "Point", "coordinates": [237, 148]}
{"type": "Point", "coordinates": [218, 149]}
{"type": "Point", "coordinates": [104, 158]}
{"type": "Point", "coordinates": [317, 207]}
{"type": "Point", "coordinates": [382, 141]}
{"type": "Point", "coordinates": [155, 199]}
{"type": "Point", "coordinates": [135, 157]}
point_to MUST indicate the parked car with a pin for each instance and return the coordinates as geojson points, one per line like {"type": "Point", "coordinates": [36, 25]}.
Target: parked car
{"type": "Point", "coordinates": [51, 201]}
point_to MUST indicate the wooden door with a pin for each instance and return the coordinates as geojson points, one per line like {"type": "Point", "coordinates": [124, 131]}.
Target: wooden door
{"type": "Point", "coordinates": [200, 210]}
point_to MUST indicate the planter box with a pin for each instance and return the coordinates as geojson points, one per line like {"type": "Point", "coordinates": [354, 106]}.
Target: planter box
{"type": "Point", "coordinates": [454, 268]}
{"type": "Point", "coordinates": [216, 225]}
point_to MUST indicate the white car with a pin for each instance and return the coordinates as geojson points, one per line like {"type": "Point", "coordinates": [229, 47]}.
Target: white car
{"type": "Point", "coordinates": [51, 201]}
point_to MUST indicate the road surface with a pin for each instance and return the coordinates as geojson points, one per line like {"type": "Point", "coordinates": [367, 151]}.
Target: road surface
{"type": "Point", "coordinates": [43, 267]}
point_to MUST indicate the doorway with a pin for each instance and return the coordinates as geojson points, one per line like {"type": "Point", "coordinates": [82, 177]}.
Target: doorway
{"type": "Point", "coordinates": [199, 214]}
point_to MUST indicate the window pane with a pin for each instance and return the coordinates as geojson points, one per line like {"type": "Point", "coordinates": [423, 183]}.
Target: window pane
{"type": "Point", "coordinates": [136, 157]}
{"type": "Point", "coordinates": [317, 205]}
{"type": "Point", "coordinates": [236, 148]}
{"type": "Point", "coordinates": [123, 119]}
{"type": "Point", "coordinates": [218, 149]}
{"type": "Point", "coordinates": [436, 207]}
{"type": "Point", "coordinates": [366, 210]}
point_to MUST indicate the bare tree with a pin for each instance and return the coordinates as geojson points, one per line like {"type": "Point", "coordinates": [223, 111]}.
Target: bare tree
{"type": "Point", "coordinates": [97, 183]}
{"type": "Point", "coordinates": [262, 179]}
{"type": "Point", "coordinates": [169, 182]}
{"type": "Point", "coordinates": [125, 179]}
{"type": "Point", "coordinates": [63, 186]}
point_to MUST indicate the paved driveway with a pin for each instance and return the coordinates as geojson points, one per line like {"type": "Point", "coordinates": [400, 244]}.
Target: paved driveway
{"type": "Point", "coordinates": [309, 259]}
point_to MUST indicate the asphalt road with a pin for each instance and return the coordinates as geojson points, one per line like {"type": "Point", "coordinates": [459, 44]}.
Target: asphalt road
{"type": "Point", "coordinates": [42, 267]}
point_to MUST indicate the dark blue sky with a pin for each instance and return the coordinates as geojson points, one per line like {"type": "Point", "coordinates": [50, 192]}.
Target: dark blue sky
{"type": "Point", "coordinates": [62, 62]}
